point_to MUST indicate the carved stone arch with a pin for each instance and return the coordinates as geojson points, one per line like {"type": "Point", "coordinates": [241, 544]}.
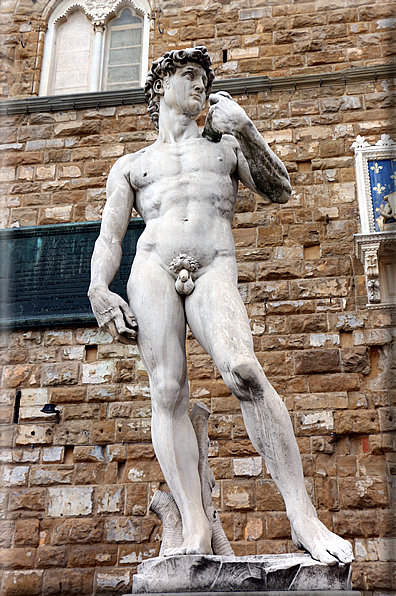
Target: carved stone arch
{"type": "Point", "coordinates": [124, 4]}
{"type": "Point", "coordinates": [70, 9]}
{"type": "Point", "coordinates": [99, 11]}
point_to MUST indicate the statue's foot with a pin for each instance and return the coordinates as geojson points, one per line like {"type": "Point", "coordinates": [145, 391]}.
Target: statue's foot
{"type": "Point", "coordinates": [194, 544]}
{"type": "Point", "coordinates": [325, 546]}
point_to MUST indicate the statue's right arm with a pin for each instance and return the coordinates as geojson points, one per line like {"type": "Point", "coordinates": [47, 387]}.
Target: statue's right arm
{"type": "Point", "coordinates": [110, 310]}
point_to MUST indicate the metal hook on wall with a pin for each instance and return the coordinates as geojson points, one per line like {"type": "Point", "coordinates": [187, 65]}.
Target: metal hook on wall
{"type": "Point", "coordinates": [23, 44]}
{"type": "Point", "coordinates": [160, 28]}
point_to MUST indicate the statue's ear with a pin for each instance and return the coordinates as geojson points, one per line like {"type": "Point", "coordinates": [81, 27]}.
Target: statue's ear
{"type": "Point", "coordinates": [158, 87]}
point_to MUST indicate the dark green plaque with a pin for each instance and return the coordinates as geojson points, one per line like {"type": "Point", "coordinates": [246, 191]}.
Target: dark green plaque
{"type": "Point", "coordinates": [45, 273]}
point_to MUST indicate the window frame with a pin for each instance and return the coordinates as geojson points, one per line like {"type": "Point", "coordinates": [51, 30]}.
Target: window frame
{"type": "Point", "coordinates": [106, 49]}
{"type": "Point", "coordinates": [99, 14]}
{"type": "Point", "coordinates": [373, 248]}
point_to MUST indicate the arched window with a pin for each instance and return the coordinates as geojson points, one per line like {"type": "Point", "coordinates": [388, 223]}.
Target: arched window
{"type": "Point", "coordinates": [95, 46]}
{"type": "Point", "coordinates": [72, 55]}
{"type": "Point", "coordinates": [123, 51]}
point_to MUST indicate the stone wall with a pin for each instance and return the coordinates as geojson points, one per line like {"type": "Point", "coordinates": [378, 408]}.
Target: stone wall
{"type": "Point", "coordinates": [75, 494]}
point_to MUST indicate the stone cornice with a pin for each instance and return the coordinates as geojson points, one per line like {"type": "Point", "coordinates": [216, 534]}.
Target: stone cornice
{"type": "Point", "coordinates": [364, 240]}
{"type": "Point", "coordinates": [238, 86]}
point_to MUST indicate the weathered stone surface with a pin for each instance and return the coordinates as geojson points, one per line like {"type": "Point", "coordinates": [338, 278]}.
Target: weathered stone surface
{"type": "Point", "coordinates": [315, 361]}
{"type": "Point", "coordinates": [26, 532]}
{"type": "Point", "coordinates": [356, 422]}
{"type": "Point", "coordinates": [18, 583]}
{"type": "Point", "coordinates": [69, 501]}
{"type": "Point", "coordinates": [74, 581]}
{"type": "Point", "coordinates": [29, 499]}
{"type": "Point", "coordinates": [227, 574]}
{"type": "Point", "coordinates": [78, 531]}
{"type": "Point", "coordinates": [363, 492]}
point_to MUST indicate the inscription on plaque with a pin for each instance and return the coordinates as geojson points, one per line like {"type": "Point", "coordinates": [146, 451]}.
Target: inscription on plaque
{"type": "Point", "coordinates": [45, 273]}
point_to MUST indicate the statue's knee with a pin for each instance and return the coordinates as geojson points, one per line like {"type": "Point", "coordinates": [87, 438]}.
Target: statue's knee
{"type": "Point", "coordinates": [166, 394]}
{"type": "Point", "coordinates": [247, 377]}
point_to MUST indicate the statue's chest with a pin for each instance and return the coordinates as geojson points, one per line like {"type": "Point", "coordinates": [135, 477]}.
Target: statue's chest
{"type": "Point", "coordinates": [173, 162]}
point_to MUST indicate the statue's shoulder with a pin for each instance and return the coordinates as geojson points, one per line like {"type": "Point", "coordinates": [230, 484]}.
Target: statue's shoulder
{"type": "Point", "coordinates": [128, 161]}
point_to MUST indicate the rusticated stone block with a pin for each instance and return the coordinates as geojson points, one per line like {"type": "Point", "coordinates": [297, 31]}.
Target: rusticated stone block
{"type": "Point", "coordinates": [356, 421]}
{"type": "Point", "coordinates": [372, 465]}
{"type": "Point", "coordinates": [333, 382]}
{"type": "Point", "coordinates": [15, 376]}
{"type": "Point", "coordinates": [130, 554]}
{"type": "Point", "coordinates": [124, 371]}
{"type": "Point", "coordinates": [78, 531]}
{"type": "Point", "coordinates": [268, 498]}
{"type": "Point", "coordinates": [143, 471]}
{"type": "Point", "coordinates": [278, 525]}
{"type": "Point", "coordinates": [29, 499]}
{"type": "Point", "coordinates": [60, 374]}
{"type": "Point", "coordinates": [254, 529]}
{"type": "Point", "coordinates": [70, 501]}
{"type": "Point", "coordinates": [26, 532]}
{"type": "Point", "coordinates": [314, 423]}
{"type": "Point", "coordinates": [14, 476]}
{"type": "Point", "coordinates": [110, 500]}
{"type": "Point", "coordinates": [356, 523]}
{"type": "Point", "coordinates": [363, 492]}
{"type": "Point", "coordinates": [89, 473]}
{"type": "Point", "coordinates": [89, 453]}
{"type": "Point", "coordinates": [220, 426]}
{"type": "Point", "coordinates": [103, 431]}
{"type": "Point", "coordinates": [17, 558]}
{"type": "Point", "coordinates": [316, 361]}
{"type": "Point", "coordinates": [319, 288]}
{"type": "Point", "coordinates": [356, 360]}
{"type": "Point", "coordinates": [119, 529]}
{"type": "Point", "coordinates": [21, 583]}
{"type": "Point", "coordinates": [75, 582]}
{"type": "Point", "coordinates": [47, 476]}
{"type": "Point", "coordinates": [74, 433]}
{"type": "Point", "coordinates": [51, 556]}
{"type": "Point", "coordinates": [134, 431]}
{"type": "Point", "coordinates": [374, 575]}
{"type": "Point", "coordinates": [66, 395]}
{"type": "Point", "coordinates": [387, 523]}
{"type": "Point", "coordinates": [136, 499]}
{"type": "Point", "coordinates": [97, 555]}
{"type": "Point", "coordinates": [326, 491]}
{"type": "Point", "coordinates": [6, 533]}
{"type": "Point", "coordinates": [238, 495]}
{"type": "Point", "coordinates": [236, 449]}
{"type": "Point", "coordinates": [387, 419]}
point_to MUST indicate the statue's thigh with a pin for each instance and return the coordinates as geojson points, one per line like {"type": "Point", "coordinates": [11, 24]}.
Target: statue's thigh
{"type": "Point", "coordinates": [218, 320]}
{"type": "Point", "coordinates": [159, 313]}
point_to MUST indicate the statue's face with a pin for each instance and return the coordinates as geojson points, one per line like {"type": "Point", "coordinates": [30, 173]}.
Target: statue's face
{"type": "Point", "coordinates": [184, 91]}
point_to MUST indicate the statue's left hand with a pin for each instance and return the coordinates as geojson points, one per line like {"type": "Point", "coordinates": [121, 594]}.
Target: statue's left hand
{"type": "Point", "coordinates": [225, 115]}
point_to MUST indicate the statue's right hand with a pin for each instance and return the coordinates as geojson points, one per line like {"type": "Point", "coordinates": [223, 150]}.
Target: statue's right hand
{"type": "Point", "coordinates": [113, 314]}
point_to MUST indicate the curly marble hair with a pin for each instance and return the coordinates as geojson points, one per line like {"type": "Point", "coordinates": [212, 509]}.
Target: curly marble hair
{"type": "Point", "coordinates": [166, 65]}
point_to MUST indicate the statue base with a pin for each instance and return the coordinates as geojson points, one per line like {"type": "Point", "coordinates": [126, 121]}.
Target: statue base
{"type": "Point", "coordinates": [275, 574]}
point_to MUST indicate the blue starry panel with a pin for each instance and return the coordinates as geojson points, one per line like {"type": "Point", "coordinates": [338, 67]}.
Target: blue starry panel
{"type": "Point", "coordinates": [382, 174]}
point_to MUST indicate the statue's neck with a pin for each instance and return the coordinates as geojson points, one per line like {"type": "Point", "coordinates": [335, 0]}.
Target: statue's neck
{"type": "Point", "coordinates": [174, 127]}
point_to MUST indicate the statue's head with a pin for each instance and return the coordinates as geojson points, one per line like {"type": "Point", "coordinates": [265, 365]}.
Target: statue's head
{"type": "Point", "coordinates": [165, 66]}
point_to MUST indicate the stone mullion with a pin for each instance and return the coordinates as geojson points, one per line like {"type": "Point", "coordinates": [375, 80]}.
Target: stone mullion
{"type": "Point", "coordinates": [97, 54]}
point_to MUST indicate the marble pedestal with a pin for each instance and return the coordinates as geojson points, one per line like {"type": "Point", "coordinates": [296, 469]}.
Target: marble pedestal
{"type": "Point", "coordinates": [261, 573]}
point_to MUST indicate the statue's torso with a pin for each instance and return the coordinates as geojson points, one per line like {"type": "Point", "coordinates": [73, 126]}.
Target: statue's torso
{"type": "Point", "coordinates": [186, 194]}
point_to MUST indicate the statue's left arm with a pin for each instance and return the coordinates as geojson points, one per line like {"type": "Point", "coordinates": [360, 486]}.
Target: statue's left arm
{"type": "Point", "coordinates": [258, 167]}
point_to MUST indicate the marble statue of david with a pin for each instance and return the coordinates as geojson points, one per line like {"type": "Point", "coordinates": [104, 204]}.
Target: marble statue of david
{"type": "Point", "coordinates": [184, 186]}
